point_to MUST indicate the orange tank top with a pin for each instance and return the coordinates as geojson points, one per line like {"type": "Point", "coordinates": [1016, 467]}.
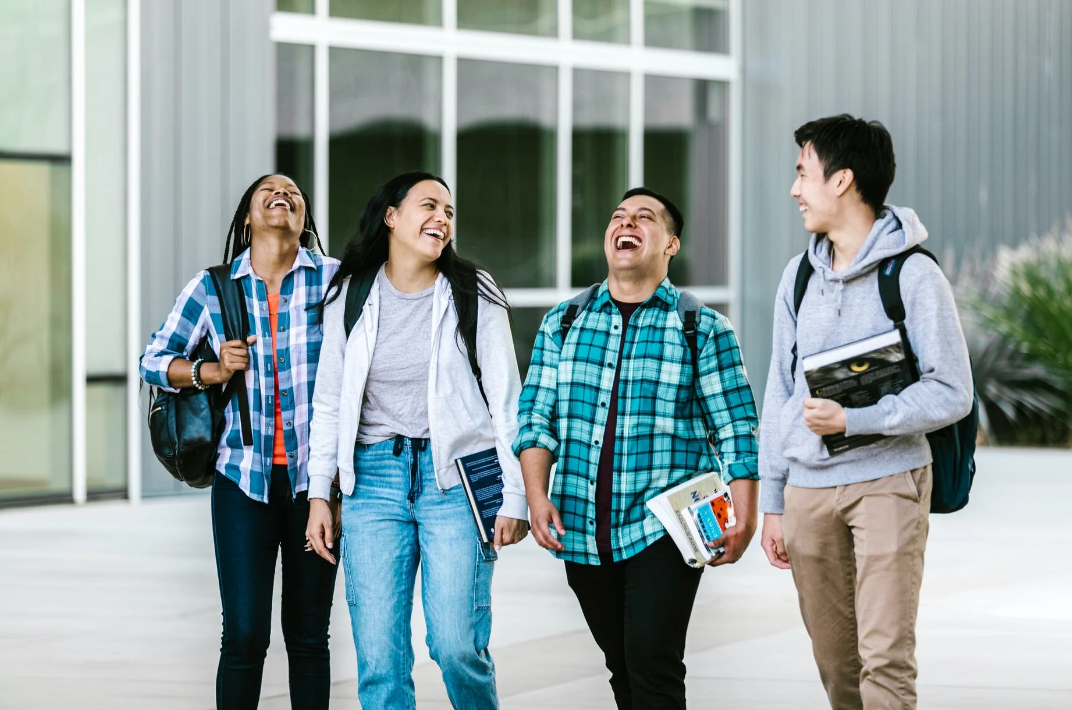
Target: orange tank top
{"type": "Point", "coordinates": [279, 448]}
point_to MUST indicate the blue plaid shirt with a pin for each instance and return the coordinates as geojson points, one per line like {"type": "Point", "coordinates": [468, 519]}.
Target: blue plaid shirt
{"type": "Point", "coordinates": [197, 314]}
{"type": "Point", "coordinates": [660, 435]}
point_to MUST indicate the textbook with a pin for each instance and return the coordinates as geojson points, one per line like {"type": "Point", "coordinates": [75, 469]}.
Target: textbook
{"type": "Point", "coordinates": [482, 480]}
{"type": "Point", "coordinates": [858, 374]}
{"type": "Point", "coordinates": [691, 513]}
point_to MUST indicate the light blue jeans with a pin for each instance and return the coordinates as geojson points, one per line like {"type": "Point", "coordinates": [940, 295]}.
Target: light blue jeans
{"type": "Point", "coordinates": [395, 520]}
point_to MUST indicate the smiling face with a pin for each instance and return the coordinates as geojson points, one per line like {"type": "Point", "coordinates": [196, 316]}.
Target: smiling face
{"type": "Point", "coordinates": [816, 196]}
{"type": "Point", "coordinates": [424, 223]}
{"type": "Point", "coordinates": [640, 238]}
{"type": "Point", "coordinates": [277, 204]}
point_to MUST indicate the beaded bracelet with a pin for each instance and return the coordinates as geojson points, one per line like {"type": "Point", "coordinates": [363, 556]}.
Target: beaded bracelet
{"type": "Point", "coordinates": [195, 375]}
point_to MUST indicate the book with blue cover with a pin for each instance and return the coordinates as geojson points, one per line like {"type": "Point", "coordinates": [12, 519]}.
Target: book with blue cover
{"type": "Point", "coordinates": [482, 480]}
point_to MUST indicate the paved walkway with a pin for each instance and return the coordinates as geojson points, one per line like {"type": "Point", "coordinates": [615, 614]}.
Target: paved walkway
{"type": "Point", "coordinates": [116, 606]}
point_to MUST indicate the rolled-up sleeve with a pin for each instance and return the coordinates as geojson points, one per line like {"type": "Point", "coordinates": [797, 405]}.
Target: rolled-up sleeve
{"type": "Point", "coordinates": [539, 396]}
{"type": "Point", "coordinates": [729, 401]}
{"type": "Point", "coordinates": [181, 333]}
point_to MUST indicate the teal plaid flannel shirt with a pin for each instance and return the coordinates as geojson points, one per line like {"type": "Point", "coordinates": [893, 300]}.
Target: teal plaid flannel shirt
{"type": "Point", "coordinates": [661, 437]}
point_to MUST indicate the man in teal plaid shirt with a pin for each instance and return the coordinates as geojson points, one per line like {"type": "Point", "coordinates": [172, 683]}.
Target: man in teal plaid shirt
{"type": "Point", "coordinates": [620, 405]}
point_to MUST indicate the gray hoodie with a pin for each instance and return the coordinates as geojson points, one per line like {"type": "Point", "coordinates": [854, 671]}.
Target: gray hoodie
{"type": "Point", "coordinates": [839, 308]}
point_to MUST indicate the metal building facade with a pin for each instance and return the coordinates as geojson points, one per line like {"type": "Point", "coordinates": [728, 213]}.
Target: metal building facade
{"type": "Point", "coordinates": [977, 95]}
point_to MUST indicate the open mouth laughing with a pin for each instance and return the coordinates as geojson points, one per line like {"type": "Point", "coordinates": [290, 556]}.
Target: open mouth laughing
{"type": "Point", "coordinates": [626, 242]}
{"type": "Point", "coordinates": [434, 233]}
{"type": "Point", "coordinates": [280, 203]}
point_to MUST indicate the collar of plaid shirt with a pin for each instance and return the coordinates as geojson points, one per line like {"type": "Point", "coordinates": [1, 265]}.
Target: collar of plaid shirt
{"type": "Point", "coordinates": [298, 340]}
{"type": "Point", "coordinates": [660, 434]}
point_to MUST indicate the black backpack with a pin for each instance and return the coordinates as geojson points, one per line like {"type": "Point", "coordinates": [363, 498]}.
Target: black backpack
{"type": "Point", "coordinates": [186, 426]}
{"type": "Point", "coordinates": [688, 310]}
{"type": "Point", "coordinates": [953, 446]}
{"type": "Point", "coordinates": [465, 305]}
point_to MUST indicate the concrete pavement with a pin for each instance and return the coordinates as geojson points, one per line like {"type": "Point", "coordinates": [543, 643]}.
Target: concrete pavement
{"type": "Point", "coordinates": [117, 606]}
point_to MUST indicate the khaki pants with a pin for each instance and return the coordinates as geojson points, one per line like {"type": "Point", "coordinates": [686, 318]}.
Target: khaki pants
{"type": "Point", "coordinates": [857, 557]}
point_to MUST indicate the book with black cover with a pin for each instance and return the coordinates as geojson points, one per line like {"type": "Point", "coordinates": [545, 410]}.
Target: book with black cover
{"type": "Point", "coordinates": [482, 480]}
{"type": "Point", "coordinates": [858, 374]}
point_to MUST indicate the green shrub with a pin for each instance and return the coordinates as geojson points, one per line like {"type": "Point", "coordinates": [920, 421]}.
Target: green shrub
{"type": "Point", "coordinates": [1016, 310]}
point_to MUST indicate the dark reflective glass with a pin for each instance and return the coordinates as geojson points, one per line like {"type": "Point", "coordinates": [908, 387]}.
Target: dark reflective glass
{"type": "Point", "coordinates": [526, 323]}
{"type": "Point", "coordinates": [304, 6]}
{"type": "Point", "coordinates": [385, 119]}
{"type": "Point", "coordinates": [419, 12]}
{"type": "Point", "coordinates": [600, 166]}
{"type": "Point", "coordinates": [701, 25]}
{"type": "Point", "coordinates": [601, 20]}
{"type": "Point", "coordinates": [529, 17]}
{"type": "Point", "coordinates": [506, 169]}
{"type": "Point", "coordinates": [294, 114]}
{"type": "Point", "coordinates": [686, 158]}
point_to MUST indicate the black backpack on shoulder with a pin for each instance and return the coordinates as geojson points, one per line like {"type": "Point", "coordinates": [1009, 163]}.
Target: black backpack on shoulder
{"type": "Point", "coordinates": [465, 305]}
{"type": "Point", "coordinates": [186, 426]}
{"type": "Point", "coordinates": [953, 446]}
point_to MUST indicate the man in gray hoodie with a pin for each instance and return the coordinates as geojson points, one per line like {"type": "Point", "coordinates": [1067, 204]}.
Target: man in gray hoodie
{"type": "Point", "coordinates": [853, 526]}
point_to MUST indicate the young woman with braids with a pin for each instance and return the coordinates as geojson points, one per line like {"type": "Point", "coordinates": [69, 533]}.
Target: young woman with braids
{"type": "Point", "coordinates": [259, 494]}
{"type": "Point", "coordinates": [396, 404]}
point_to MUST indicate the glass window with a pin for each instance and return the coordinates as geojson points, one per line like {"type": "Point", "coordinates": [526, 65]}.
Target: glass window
{"type": "Point", "coordinates": [525, 324]}
{"type": "Point", "coordinates": [701, 25]}
{"type": "Point", "coordinates": [106, 436]}
{"type": "Point", "coordinates": [106, 187]}
{"type": "Point", "coordinates": [420, 12]}
{"type": "Point", "coordinates": [506, 169]}
{"type": "Point", "coordinates": [35, 346]}
{"type": "Point", "coordinates": [106, 307]}
{"type": "Point", "coordinates": [601, 20]}
{"type": "Point", "coordinates": [528, 17]}
{"type": "Point", "coordinates": [35, 77]}
{"type": "Point", "coordinates": [686, 158]}
{"type": "Point", "coordinates": [294, 114]}
{"type": "Point", "coordinates": [385, 119]}
{"type": "Point", "coordinates": [600, 165]}
{"type": "Point", "coordinates": [306, 6]}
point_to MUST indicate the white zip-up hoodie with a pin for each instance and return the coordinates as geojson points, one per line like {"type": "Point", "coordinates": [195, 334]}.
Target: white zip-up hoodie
{"type": "Point", "coordinates": [459, 422]}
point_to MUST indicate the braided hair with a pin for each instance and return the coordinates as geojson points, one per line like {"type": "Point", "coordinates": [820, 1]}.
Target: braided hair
{"type": "Point", "coordinates": [238, 238]}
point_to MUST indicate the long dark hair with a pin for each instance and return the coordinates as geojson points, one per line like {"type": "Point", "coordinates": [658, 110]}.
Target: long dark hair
{"type": "Point", "coordinates": [368, 250]}
{"type": "Point", "coordinates": [237, 239]}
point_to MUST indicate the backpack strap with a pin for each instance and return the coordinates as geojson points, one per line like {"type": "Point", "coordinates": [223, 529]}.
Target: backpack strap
{"type": "Point", "coordinates": [577, 304]}
{"type": "Point", "coordinates": [889, 291]}
{"type": "Point", "coordinates": [467, 307]}
{"type": "Point", "coordinates": [689, 309]}
{"type": "Point", "coordinates": [804, 272]}
{"type": "Point", "coordinates": [356, 295]}
{"type": "Point", "coordinates": [235, 327]}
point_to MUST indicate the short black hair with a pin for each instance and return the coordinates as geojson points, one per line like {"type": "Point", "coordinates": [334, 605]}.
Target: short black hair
{"type": "Point", "coordinates": [864, 147]}
{"type": "Point", "coordinates": [677, 221]}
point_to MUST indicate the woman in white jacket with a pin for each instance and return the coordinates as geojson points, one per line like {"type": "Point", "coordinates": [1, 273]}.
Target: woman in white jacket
{"type": "Point", "coordinates": [396, 404]}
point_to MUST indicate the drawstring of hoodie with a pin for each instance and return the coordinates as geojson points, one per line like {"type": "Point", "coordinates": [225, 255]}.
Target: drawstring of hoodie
{"type": "Point", "coordinates": [838, 289]}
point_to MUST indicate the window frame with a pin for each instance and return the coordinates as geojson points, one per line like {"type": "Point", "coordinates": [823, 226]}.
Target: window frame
{"type": "Point", "coordinates": [563, 52]}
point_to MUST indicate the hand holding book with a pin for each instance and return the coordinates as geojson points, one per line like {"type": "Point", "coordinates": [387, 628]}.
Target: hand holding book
{"type": "Point", "coordinates": [824, 416]}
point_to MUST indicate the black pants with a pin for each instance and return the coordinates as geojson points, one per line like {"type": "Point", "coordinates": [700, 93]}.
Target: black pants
{"type": "Point", "coordinates": [638, 611]}
{"type": "Point", "coordinates": [248, 534]}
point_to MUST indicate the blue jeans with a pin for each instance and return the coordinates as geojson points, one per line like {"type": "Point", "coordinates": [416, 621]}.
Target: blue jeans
{"type": "Point", "coordinates": [248, 536]}
{"type": "Point", "coordinates": [397, 519]}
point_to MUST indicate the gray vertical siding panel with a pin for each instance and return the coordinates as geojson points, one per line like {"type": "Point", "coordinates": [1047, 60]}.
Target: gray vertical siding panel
{"type": "Point", "coordinates": [977, 95]}
{"type": "Point", "coordinates": [207, 131]}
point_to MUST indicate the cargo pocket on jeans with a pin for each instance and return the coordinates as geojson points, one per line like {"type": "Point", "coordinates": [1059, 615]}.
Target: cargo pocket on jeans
{"type": "Point", "coordinates": [485, 567]}
{"type": "Point", "coordinates": [351, 599]}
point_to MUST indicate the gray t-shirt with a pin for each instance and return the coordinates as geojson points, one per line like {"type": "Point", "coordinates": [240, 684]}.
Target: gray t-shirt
{"type": "Point", "coordinates": [396, 394]}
